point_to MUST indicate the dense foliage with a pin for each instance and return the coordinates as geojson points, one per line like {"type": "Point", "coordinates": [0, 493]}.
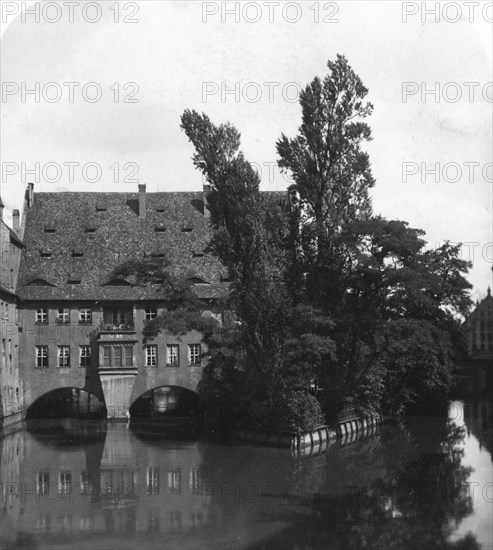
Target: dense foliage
{"type": "Point", "coordinates": [330, 305]}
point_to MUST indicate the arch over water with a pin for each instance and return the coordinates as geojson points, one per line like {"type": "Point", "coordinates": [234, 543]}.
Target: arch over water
{"type": "Point", "coordinates": [67, 402]}
{"type": "Point", "coordinates": [166, 402]}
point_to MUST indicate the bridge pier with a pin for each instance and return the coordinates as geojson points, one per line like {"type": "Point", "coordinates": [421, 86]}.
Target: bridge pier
{"type": "Point", "coordinates": [117, 390]}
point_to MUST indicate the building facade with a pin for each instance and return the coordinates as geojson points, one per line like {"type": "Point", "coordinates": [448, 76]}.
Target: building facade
{"type": "Point", "coordinates": [11, 387]}
{"type": "Point", "coordinates": [479, 330]}
{"type": "Point", "coordinates": [81, 326]}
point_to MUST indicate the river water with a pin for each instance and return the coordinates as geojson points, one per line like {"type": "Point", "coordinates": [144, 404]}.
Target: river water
{"type": "Point", "coordinates": [424, 484]}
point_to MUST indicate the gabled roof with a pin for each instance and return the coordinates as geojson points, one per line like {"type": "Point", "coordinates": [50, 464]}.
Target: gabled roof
{"type": "Point", "coordinates": [483, 310]}
{"type": "Point", "coordinates": [75, 221]}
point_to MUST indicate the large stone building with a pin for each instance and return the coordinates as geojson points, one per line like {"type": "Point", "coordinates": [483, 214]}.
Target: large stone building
{"type": "Point", "coordinates": [11, 388]}
{"type": "Point", "coordinates": [81, 327]}
{"type": "Point", "coordinates": [479, 330]}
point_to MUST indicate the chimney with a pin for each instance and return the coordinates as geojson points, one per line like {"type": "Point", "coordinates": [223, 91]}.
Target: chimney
{"type": "Point", "coordinates": [15, 220]}
{"type": "Point", "coordinates": [206, 191]}
{"type": "Point", "coordinates": [142, 200]}
{"type": "Point", "coordinates": [30, 194]}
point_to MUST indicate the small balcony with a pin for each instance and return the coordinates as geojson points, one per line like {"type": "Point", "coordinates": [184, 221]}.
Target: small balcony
{"type": "Point", "coordinates": [117, 324]}
{"type": "Point", "coordinates": [123, 332]}
{"type": "Point", "coordinates": [116, 328]}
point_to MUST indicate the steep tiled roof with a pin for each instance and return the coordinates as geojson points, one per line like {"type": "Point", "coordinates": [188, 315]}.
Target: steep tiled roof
{"type": "Point", "coordinates": [71, 237]}
{"type": "Point", "coordinates": [484, 307]}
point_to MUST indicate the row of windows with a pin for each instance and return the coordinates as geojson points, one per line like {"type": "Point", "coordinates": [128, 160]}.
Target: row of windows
{"type": "Point", "coordinates": [66, 482]}
{"type": "Point", "coordinates": [159, 228]}
{"type": "Point", "coordinates": [119, 355]}
{"type": "Point", "coordinates": [118, 316]}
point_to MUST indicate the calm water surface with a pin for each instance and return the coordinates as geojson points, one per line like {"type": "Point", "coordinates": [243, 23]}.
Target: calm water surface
{"type": "Point", "coordinates": [424, 484]}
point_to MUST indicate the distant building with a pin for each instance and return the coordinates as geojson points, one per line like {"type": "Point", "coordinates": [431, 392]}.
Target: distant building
{"type": "Point", "coordinates": [11, 388]}
{"type": "Point", "coordinates": [479, 329]}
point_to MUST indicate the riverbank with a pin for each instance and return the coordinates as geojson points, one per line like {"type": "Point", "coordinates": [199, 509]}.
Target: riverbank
{"type": "Point", "coordinates": [315, 439]}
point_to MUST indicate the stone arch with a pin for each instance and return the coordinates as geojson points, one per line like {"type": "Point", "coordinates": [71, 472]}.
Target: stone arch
{"type": "Point", "coordinates": [166, 401]}
{"type": "Point", "coordinates": [66, 401]}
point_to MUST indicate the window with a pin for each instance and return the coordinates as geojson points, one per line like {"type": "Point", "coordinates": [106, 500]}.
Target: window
{"type": "Point", "coordinates": [195, 480]}
{"type": "Point", "coordinates": [174, 480]}
{"type": "Point", "coordinates": [194, 354]}
{"type": "Point", "coordinates": [85, 484]}
{"type": "Point", "coordinates": [85, 316]}
{"type": "Point", "coordinates": [152, 478]}
{"type": "Point", "coordinates": [151, 313]}
{"type": "Point", "coordinates": [64, 482]}
{"type": "Point", "coordinates": [173, 355]}
{"type": "Point", "coordinates": [118, 355]}
{"type": "Point", "coordinates": [107, 356]}
{"type": "Point", "coordinates": [151, 356]}
{"type": "Point", "coordinates": [42, 316]}
{"type": "Point", "coordinates": [63, 316]}
{"type": "Point", "coordinates": [42, 356]}
{"type": "Point", "coordinates": [42, 483]}
{"type": "Point", "coordinates": [64, 356]}
{"type": "Point", "coordinates": [85, 356]}
{"type": "Point", "coordinates": [119, 317]}
{"type": "Point", "coordinates": [74, 278]}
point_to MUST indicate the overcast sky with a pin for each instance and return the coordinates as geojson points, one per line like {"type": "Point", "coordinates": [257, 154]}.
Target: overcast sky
{"type": "Point", "coordinates": [178, 55]}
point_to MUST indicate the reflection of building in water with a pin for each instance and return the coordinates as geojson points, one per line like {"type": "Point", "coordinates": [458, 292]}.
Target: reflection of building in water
{"type": "Point", "coordinates": [478, 417]}
{"type": "Point", "coordinates": [11, 458]}
{"type": "Point", "coordinates": [121, 485]}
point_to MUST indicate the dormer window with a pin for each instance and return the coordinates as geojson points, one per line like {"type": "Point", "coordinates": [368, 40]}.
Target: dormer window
{"type": "Point", "coordinates": [160, 209]}
{"type": "Point", "coordinates": [117, 282]}
{"type": "Point", "coordinates": [197, 281]}
{"type": "Point", "coordinates": [90, 229]}
{"type": "Point", "coordinates": [50, 228]}
{"type": "Point", "coordinates": [160, 228]}
{"type": "Point", "coordinates": [101, 207]}
{"type": "Point", "coordinates": [45, 253]}
{"type": "Point", "coordinates": [77, 253]}
{"type": "Point", "coordinates": [39, 282]}
{"type": "Point", "coordinates": [199, 253]}
{"type": "Point", "coordinates": [74, 278]}
{"type": "Point", "coordinates": [186, 228]}
{"type": "Point", "coordinates": [157, 253]}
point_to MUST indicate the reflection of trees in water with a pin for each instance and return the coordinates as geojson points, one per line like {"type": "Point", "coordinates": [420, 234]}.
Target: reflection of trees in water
{"type": "Point", "coordinates": [405, 488]}
{"type": "Point", "coordinates": [478, 417]}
